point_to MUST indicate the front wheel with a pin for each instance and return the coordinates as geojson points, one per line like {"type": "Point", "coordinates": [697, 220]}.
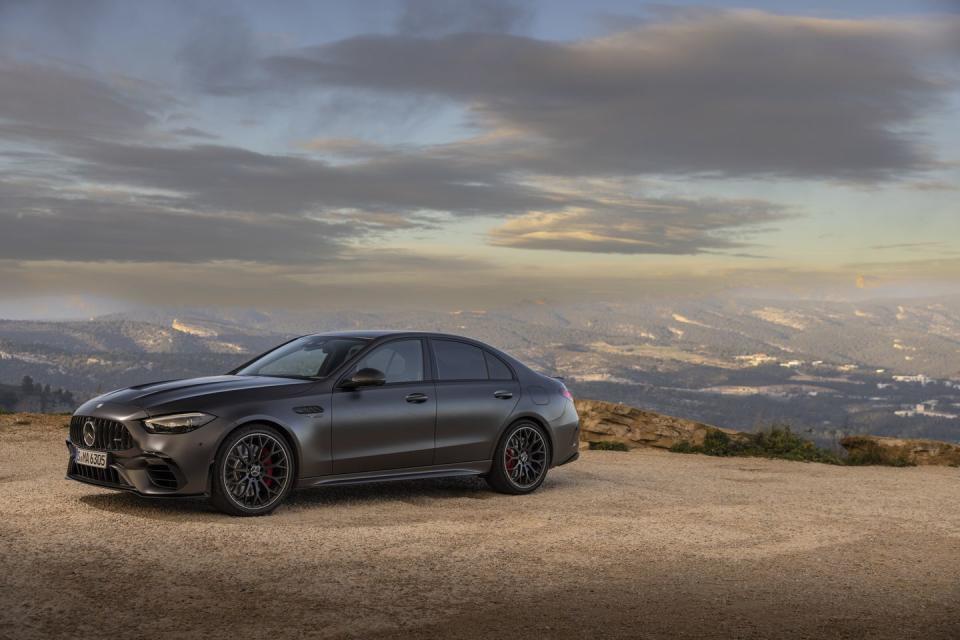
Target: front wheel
{"type": "Point", "coordinates": [521, 460]}
{"type": "Point", "coordinates": [253, 472]}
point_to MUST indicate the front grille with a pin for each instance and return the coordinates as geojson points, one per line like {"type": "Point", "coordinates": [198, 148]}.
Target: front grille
{"type": "Point", "coordinates": [110, 435]}
{"type": "Point", "coordinates": [104, 476]}
{"type": "Point", "coordinates": [162, 476]}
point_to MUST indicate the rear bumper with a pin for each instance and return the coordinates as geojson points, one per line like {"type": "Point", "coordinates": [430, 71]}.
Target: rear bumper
{"type": "Point", "coordinates": [566, 435]}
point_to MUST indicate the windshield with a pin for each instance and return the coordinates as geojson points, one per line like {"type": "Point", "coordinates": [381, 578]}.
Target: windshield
{"type": "Point", "coordinates": [309, 357]}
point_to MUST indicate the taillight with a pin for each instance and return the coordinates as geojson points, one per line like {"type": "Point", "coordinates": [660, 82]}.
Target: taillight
{"type": "Point", "coordinates": [566, 393]}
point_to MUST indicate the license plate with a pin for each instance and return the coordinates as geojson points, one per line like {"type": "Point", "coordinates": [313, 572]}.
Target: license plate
{"type": "Point", "coordinates": [89, 458]}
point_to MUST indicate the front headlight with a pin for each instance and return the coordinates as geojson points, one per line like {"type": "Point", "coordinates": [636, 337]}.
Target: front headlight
{"type": "Point", "coordinates": [178, 422]}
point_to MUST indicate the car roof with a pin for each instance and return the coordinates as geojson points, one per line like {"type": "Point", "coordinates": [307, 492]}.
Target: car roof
{"type": "Point", "coordinates": [372, 334]}
{"type": "Point", "coordinates": [376, 334]}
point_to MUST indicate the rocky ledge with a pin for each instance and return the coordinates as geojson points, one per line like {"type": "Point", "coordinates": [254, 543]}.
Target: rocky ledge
{"type": "Point", "coordinates": [913, 452]}
{"type": "Point", "coordinates": [610, 422]}
{"type": "Point", "coordinates": [613, 422]}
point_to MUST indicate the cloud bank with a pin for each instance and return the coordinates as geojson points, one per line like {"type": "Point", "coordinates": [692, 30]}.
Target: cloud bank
{"type": "Point", "coordinates": [109, 171]}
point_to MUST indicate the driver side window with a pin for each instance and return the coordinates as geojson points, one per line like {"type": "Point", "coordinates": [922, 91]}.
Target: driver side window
{"type": "Point", "coordinates": [400, 361]}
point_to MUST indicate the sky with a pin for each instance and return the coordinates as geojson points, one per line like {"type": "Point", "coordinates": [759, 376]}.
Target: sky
{"type": "Point", "coordinates": [442, 154]}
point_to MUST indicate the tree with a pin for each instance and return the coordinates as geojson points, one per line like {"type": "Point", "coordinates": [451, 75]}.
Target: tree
{"type": "Point", "coordinates": [8, 398]}
{"type": "Point", "coordinates": [26, 386]}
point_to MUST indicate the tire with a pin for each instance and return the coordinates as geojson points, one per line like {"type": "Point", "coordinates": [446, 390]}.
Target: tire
{"type": "Point", "coordinates": [512, 471]}
{"type": "Point", "coordinates": [254, 471]}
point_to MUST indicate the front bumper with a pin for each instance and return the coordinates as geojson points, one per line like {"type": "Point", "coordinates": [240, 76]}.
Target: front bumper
{"type": "Point", "coordinates": [135, 471]}
{"type": "Point", "coordinates": [155, 464]}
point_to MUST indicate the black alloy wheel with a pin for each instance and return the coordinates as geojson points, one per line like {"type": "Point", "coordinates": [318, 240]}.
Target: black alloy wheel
{"type": "Point", "coordinates": [253, 472]}
{"type": "Point", "coordinates": [522, 459]}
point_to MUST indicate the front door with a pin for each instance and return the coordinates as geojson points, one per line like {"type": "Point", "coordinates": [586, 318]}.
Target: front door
{"type": "Point", "coordinates": [390, 426]}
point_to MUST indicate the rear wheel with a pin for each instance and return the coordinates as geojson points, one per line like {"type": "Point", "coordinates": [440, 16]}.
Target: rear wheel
{"type": "Point", "coordinates": [521, 460]}
{"type": "Point", "coordinates": [253, 472]}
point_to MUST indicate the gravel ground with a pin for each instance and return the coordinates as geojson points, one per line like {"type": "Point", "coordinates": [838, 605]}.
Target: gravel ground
{"type": "Point", "coordinates": [646, 544]}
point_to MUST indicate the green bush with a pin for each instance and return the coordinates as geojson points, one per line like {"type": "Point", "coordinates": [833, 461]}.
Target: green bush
{"type": "Point", "coordinates": [776, 442]}
{"type": "Point", "coordinates": [685, 446]}
{"type": "Point", "coordinates": [868, 452]}
{"type": "Point", "coordinates": [718, 443]}
{"type": "Point", "coordinates": [604, 445]}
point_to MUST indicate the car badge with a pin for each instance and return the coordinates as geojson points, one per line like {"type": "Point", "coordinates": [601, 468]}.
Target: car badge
{"type": "Point", "coordinates": [89, 433]}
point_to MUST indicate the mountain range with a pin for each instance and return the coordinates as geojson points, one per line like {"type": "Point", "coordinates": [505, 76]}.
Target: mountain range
{"type": "Point", "coordinates": [883, 366]}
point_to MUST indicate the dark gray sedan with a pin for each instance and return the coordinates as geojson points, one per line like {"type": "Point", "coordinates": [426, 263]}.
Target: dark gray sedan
{"type": "Point", "coordinates": [325, 409]}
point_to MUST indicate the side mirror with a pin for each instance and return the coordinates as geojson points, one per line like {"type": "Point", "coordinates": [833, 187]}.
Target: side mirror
{"type": "Point", "coordinates": [367, 377]}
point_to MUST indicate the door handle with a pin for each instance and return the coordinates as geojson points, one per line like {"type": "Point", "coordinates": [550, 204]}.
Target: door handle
{"type": "Point", "coordinates": [503, 395]}
{"type": "Point", "coordinates": [417, 398]}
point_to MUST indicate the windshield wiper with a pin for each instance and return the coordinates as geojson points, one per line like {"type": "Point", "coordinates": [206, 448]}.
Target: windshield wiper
{"type": "Point", "coordinates": [292, 376]}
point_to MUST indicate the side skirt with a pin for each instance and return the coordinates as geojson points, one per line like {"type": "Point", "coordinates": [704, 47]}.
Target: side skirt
{"type": "Point", "coordinates": [477, 468]}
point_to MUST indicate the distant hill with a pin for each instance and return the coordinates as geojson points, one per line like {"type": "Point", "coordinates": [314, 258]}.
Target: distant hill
{"type": "Point", "coordinates": [829, 368]}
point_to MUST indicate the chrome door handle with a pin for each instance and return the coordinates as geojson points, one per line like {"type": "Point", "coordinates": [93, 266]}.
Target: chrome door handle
{"type": "Point", "coordinates": [503, 395]}
{"type": "Point", "coordinates": [417, 398]}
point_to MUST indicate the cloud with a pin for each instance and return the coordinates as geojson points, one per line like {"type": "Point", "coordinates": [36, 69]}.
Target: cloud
{"type": "Point", "coordinates": [391, 279]}
{"type": "Point", "coordinates": [193, 132]}
{"type": "Point", "coordinates": [651, 226]}
{"type": "Point", "coordinates": [101, 183]}
{"type": "Point", "coordinates": [54, 103]}
{"type": "Point", "coordinates": [120, 226]}
{"type": "Point", "coordinates": [110, 186]}
{"type": "Point", "coordinates": [224, 178]}
{"type": "Point", "coordinates": [728, 93]}
{"type": "Point", "coordinates": [72, 21]}
{"type": "Point", "coordinates": [219, 54]}
{"type": "Point", "coordinates": [210, 202]}
{"type": "Point", "coordinates": [354, 279]}
{"type": "Point", "coordinates": [907, 245]}
{"type": "Point", "coordinates": [439, 17]}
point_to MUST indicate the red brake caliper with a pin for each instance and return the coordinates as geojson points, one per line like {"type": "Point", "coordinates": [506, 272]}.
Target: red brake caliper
{"type": "Point", "coordinates": [511, 460]}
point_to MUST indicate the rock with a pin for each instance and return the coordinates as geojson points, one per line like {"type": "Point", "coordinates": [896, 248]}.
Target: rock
{"type": "Point", "coordinates": [910, 451]}
{"type": "Point", "coordinates": [614, 422]}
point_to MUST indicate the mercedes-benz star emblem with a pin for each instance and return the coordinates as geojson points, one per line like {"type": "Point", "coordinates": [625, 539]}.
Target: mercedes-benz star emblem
{"type": "Point", "coordinates": [89, 433]}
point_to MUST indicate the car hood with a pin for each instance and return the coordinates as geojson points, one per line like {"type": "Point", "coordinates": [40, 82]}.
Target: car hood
{"type": "Point", "coordinates": [159, 393]}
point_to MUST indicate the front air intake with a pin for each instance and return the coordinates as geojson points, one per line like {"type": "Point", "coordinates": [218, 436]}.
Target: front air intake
{"type": "Point", "coordinates": [107, 477]}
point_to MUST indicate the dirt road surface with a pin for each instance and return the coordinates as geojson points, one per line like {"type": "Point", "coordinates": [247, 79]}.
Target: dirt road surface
{"type": "Point", "coordinates": [645, 544]}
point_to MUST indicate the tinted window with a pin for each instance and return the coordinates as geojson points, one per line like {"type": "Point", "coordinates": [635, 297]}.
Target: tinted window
{"type": "Point", "coordinates": [496, 367]}
{"type": "Point", "coordinates": [459, 361]}
{"type": "Point", "coordinates": [307, 357]}
{"type": "Point", "coordinates": [400, 361]}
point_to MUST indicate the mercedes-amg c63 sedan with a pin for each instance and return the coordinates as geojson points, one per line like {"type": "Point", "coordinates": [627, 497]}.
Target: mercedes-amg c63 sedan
{"type": "Point", "coordinates": [325, 409]}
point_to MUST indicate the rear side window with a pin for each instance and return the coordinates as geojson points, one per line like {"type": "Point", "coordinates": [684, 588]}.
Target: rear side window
{"type": "Point", "coordinates": [496, 367]}
{"type": "Point", "coordinates": [459, 361]}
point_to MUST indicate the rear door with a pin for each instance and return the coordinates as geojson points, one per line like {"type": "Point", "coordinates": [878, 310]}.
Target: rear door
{"type": "Point", "coordinates": [476, 395]}
{"type": "Point", "coordinates": [390, 426]}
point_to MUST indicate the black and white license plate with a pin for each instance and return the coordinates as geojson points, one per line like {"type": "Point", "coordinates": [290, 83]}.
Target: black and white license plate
{"type": "Point", "coordinates": [89, 458]}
